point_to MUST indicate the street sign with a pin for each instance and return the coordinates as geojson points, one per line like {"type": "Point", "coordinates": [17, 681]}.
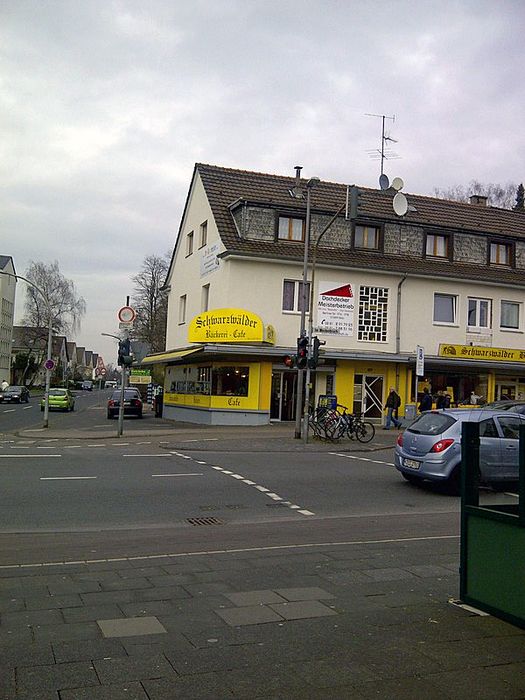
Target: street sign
{"type": "Point", "coordinates": [125, 324]}
{"type": "Point", "coordinates": [420, 361]}
{"type": "Point", "coordinates": [50, 365]}
{"type": "Point", "coordinates": [127, 314]}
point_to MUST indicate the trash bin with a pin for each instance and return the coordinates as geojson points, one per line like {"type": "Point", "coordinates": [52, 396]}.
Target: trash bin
{"type": "Point", "coordinates": [410, 411]}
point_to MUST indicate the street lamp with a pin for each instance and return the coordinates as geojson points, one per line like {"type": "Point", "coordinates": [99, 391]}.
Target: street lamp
{"type": "Point", "coordinates": [297, 194]}
{"type": "Point", "coordinates": [49, 341]}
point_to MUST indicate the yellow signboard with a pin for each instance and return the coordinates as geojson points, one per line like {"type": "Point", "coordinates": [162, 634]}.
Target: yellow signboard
{"type": "Point", "coordinates": [229, 326]}
{"type": "Point", "coordinates": [475, 352]}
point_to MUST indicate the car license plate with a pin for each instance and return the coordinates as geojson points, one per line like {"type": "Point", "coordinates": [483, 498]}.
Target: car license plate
{"type": "Point", "coordinates": [411, 464]}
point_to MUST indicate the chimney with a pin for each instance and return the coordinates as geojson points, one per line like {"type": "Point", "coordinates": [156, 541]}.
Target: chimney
{"type": "Point", "coordinates": [479, 200]}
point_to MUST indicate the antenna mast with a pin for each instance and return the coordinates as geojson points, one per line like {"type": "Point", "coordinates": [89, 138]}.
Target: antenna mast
{"type": "Point", "coordinates": [383, 154]}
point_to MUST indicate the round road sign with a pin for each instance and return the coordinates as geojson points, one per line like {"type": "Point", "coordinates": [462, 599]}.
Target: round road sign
{"type": "Point", "coordinates": [49, 364]}
{"type": "Point", "coordinates": [127, 314]}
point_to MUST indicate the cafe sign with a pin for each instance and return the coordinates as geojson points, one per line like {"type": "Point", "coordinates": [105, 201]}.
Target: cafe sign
{"type": "Point", "coordinates": [229, 326]}
{"type": "Point", "coordinates": [475, 352]}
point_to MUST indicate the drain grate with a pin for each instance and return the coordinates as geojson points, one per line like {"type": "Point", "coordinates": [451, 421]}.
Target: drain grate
{"type": "Point", "coordinates": [204, 521]}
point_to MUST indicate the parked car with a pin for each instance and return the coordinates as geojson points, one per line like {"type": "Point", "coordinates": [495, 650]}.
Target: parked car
{"type": "Point", "coordinates": [132, 403]}
{"type": "Point", "coordinates": [60, 400]}
{"type": "Point", "coordinates": [110, 384]}
{"type": "Point", "coordinates": [87, 386]}
{"type": "Point", "coordinates": [15, 394]}
{"type": "Point", "coordinates": [430, 448]}
{"type": "Point", "coordinates": [506, 405]}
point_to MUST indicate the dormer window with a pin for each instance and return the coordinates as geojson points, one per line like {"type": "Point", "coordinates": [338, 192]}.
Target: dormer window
{"type": "Point", "coordinates": [500, 253]}
{"type": "Point", "coordinates": [437, 245]}
{"type": "Point", "coordinates": [367, 237]}
{"type": "Point", "coordinates": [291, 229]}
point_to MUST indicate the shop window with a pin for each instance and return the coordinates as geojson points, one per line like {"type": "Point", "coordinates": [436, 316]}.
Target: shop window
{"type": "Point", "coordinates": [204, 234]}
{"type": "Point", "coordinates": [445, 308]}
{"type": "Point", "coordinates": [189, 243]}
{"type": "Point", "coordinates": [373, 314]}
{"type": "Point", "coordinates": [479, 313]}
{"type": "Point", "coordinates": [510, 315]}
{"type": "Point", "coordinates": [367, 237]}
{"type": "Point", "coordinates": [501, 253]}
{"type": "Point", "coordinates": [293, 295]}
{"type": "Point", "coordinates": [437, 245]}
{"type": "Point", "coordinates": [182, 309]}
{"type": "Point", "coordinates": [191, 380]}
{"type": "Point", "coordinates": [230, 381]}
{"type": "Point", "coordinates": [291, 229]}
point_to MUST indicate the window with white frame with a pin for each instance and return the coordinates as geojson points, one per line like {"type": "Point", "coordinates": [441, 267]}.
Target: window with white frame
{"type": "Point", "coordinates": [182, 309]}
{"type": "Point", "coordinates": [291, 229]}
{"type": "Point", "coordinates": [373, 314]}
{"type": "Point", "coordinates": [205, 297]}
{"type": "Point", "coordinates": [510, 315]}
{"type": "Point", "coordinates": [293, 295]}
{"type": "Point", "coordinates": [445, 308]}
{"type": "Point", "coordinates": [204, 234]}
{"type": "Point", "coordinates": [436, 245]}
{"type": "Point", "coordinates": [479, 313]}
{"type": "Point", "coordinates": [367, 237]}
{"type": "Point", "coordinates": [189, 243]}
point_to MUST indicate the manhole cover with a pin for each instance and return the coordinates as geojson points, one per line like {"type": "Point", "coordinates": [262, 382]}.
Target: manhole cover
{"type": "Point", "coordinates": [204, 521]}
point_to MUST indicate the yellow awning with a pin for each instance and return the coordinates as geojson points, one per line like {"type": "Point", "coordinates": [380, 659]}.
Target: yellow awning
{"type": "Point", "coordinates": [162, 358]}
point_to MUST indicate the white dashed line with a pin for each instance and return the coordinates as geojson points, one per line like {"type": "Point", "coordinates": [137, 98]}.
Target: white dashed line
{"type": "Point", "coordinates": [189, 474]}
{"type": "Point", "coordinates": [219, 469]}
{"type": "Point", "coordinates": [305, 512]}
{"type": "Point", "coordinates": [21, 447]}
{"type": "Point", "coordinates": [262, 489]}
{"type": "Point", "coordinates": [160, 454]}
{"type": "Point", "coordinates": [199, 462]}
{"type": "Point", "coordinates": [96, 445]}
{"type": "Point", "coordinates": [26, 408]}
{"type": "Point", "coordinates": [237, 476]}
{"type": "Point", "coordinates": [26, 456]}
{"type": "Point", "coordinates": [362, 459]}
{"type": "Point", "coordinates": [10, 410]}
{"type": "Point", "coordinates": [66, 478]}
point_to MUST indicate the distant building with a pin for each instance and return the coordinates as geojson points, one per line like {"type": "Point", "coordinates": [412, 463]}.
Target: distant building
{"type": "Point", "coordinates": [7, 311]}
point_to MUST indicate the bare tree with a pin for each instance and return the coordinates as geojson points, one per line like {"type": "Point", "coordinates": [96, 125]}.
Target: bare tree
{"type": "Point", "coordinates": [67, 308]}
{"type": "Point", "coordinates": [502, 196]}
{"type": "Point", "coordinates": [151, 304]}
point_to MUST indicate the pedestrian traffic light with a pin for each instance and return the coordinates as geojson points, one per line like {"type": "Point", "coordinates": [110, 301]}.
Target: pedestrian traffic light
{"type": "Point", "coordinates": [289, 360]}
{"type": "Point", "coordinates": [302, 352]}
{"type": "Point", "coordinates": [124, 353]}
{"type": "Point", "coordinates": [316, 344]}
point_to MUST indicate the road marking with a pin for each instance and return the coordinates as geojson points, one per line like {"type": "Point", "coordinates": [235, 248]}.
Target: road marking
{"type": "Point", "coordinates": [305, 512]}
{"type": "Point", "coordinates": [66, 478]}
{"type": "Point", "coordinates": [71, 447]}
{"type": "Point", "coordinates": [362, 459]}
{"type": "Point", "coordinates": [199, 461]}
{"type": "Point", "coordinates": [10, 410]}
{"type": "Point", "coordinates": [210, 552]}
{"type": "Point", "coordinates": [201, 440]}
{"type": "Point", "coordinates": [189, 474]}
{"type": "Point", "coordinates": [39, 447]}
{"type": "Point", "coordinates": [161, 454]}
{"type": "Point", "coordinates": [122, 444]}
{"type": "Point", "coordinates": [138, 443]}
{"type": "Point", "coordinates": [26, 456]}
{"type": "Point", "coordinates": [27, 407]}
{"type": "Point", "coordinates": [237, 476]}
{"type": "Point", "coordinates": [96, 445]}
{"type": "Point", "coordinates": [21, 447]}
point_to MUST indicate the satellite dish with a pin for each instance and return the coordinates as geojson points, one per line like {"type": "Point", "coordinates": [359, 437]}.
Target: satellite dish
{"type": "Point", "coordinates": [397, 183]}
{"type": "Point", "coordinates": [400, 204]}
{"type": "Point", "coordinates": [384, 183]}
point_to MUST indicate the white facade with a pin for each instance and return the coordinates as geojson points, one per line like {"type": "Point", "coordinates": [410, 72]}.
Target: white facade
{"type": "Point", "coordinates": [7, 310]}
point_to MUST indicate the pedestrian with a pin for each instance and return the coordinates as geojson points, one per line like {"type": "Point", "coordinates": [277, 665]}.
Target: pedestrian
{"type": "Point", "coordinates": [393, 402]}
{"type": "Point", "coordinates": [4, 385]}
{"type": "Point", "coordinates": [446, 400]}
{"type": "Point", "coordinates": [426, 401]}
{"type": "Point", "coordinates": [440, 400]}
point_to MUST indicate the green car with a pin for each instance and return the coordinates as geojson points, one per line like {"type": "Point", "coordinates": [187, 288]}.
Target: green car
{"type": "Point", "coordinates": [60, 399]}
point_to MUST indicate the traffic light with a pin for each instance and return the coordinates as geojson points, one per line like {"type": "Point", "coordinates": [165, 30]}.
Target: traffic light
{"type": "Point", "coordinates": [302, 352]}
{"type": "Point", "coordinates": [124, 353]}
{"type": "Point", "coordinates": [289, 360]}
{"type": "Point", "coordinates": [355, 201]}
{"type": "Point", "coordinates": [316, 344]}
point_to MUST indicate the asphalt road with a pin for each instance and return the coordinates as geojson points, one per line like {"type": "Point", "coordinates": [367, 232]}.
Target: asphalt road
{"type": "Point", "coordinates": [112, 497]}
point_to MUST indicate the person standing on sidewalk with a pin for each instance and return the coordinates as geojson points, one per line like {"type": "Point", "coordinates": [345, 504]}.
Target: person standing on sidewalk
{"type": "Point", "coordinates": [426, 401]}
{"type": "Point", "coordinates": [393, 402]}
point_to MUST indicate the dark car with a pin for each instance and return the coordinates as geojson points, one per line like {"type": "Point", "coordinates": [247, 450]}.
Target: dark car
{"type": "Point", "coordinates": [430, 448]}
{"type": "Point", "coordinates": [87, 386]}
{"type": "Point", "coordinates": [132, 403]}
{"type": "Point", "coordinates": [508, 405]}
{"type": "Point", "coordinates": [15, 394]}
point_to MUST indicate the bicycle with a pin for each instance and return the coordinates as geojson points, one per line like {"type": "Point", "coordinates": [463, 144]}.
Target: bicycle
{"type": "Point", "coordinates": [354, 426]}
{"type": "Point", "coordinates": [323, 421]}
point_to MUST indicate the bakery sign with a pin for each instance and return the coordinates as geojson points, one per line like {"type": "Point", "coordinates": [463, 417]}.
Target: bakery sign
{"type": "Point", "coordinates": [473, 352]}
{"type": "Point", "coordinates": [229, 326]}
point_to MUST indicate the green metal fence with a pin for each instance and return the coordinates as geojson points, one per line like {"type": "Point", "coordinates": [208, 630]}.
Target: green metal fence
{"type": "Point", "coordinates": [492, 569]}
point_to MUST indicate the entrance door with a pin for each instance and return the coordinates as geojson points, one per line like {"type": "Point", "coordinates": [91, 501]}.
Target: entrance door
{"type": "Point", "coordinates": [368, 395]}
{"type": "Point", "coordinates": [282, 403]}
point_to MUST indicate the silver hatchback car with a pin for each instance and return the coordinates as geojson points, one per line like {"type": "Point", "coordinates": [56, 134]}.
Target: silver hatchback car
{"type": "Point", "coordinates": [430, 448]}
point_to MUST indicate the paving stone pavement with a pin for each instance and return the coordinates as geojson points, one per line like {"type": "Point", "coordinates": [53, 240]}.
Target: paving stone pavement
{"type": "Point", "coordinates": [351, 621]}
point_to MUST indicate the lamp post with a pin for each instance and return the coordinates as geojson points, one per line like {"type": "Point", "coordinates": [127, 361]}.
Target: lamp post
{"type": "Point", "coordinates": [45, 297]}
{"type": "Point", "coordinates": [297, 193]}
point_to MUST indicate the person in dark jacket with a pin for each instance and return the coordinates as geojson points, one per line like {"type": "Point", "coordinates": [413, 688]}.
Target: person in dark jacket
{"type": "Point", "coordinates": [393, 402]}
{"type": "Point", "coordinates": [426, 401]}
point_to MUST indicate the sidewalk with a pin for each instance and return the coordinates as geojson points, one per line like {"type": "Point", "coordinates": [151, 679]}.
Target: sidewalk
{"type": "Point", "coordinates": [273, 437]}
{"type": "Point", "coordinates": [355, 620]}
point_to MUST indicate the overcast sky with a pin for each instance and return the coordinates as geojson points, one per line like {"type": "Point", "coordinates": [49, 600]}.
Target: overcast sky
{"type": "Point", "coordinates": [106, 106]}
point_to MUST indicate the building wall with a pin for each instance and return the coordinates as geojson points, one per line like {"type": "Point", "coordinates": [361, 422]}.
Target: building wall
{"type": "Point", "coordinates": [7, 310]}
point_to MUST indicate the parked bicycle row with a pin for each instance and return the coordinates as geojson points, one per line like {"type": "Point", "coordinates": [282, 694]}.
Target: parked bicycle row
{"type": "Point", "coordinates": [333, 424]}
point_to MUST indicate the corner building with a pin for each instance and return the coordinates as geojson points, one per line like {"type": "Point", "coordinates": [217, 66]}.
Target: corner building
{"type": "Point", "coordinates": [446, 276]}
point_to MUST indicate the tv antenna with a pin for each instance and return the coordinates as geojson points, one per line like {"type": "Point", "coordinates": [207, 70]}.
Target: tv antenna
{"type": "Point", "coordinates": [385, 153]}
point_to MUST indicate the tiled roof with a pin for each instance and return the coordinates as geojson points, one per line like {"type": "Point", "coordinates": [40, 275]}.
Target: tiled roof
{"type": "Point", "coordinates": [224, 186]}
